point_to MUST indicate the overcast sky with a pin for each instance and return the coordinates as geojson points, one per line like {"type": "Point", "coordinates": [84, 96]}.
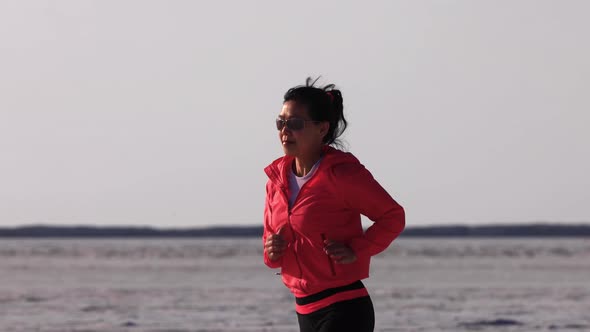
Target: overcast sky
{"type": "Point", "coordinates": [161, 112]}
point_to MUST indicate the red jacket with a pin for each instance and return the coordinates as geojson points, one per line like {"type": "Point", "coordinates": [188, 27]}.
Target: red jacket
{"type": "Point", "coordinates": [328, 206]}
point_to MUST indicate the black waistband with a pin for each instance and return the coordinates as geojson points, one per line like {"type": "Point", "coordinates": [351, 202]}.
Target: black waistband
{"type": "Point", "coordinates": [328, 292]}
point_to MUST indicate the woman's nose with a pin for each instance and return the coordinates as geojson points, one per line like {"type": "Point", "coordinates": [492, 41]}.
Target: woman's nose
{"type": "Point", "coordinates": [285, 130]}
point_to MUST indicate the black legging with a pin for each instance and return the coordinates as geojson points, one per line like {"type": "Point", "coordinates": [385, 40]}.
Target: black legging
{"type": "Point", "coordinates": [356, 315]}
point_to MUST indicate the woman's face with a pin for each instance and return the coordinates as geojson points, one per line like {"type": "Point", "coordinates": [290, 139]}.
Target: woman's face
{"type": "Point", "coordinates": [300, 136]}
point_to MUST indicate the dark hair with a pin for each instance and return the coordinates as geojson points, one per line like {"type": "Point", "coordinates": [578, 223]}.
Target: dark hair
{"type": "Point", "coordinates": [323, 104]}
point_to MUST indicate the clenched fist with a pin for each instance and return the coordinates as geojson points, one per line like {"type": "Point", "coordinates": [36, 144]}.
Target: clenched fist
{"type": "Point", "coordinates": [275, 246]}
{"type": "Point", "coordinates": [339, 252]}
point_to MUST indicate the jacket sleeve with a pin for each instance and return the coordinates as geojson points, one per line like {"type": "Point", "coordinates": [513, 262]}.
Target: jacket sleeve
{"type": "Point", "coordinates": [364, 194]}
{"type": "Point", "coordinates": [267, 231]}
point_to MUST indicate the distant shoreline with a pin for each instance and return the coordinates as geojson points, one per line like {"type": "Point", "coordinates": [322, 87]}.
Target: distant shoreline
{"type": "Point", "coordinates": [517, 230]}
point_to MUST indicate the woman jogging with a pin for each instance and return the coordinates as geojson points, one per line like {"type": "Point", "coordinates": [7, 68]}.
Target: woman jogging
{"type": "Point", "coordinates": [315, 197]}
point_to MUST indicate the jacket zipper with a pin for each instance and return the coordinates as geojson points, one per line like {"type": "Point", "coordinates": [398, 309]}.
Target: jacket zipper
{"type": "Point", "coordinates": [301, 191]}
{"type": "Point", "coordinates": [289, 208]}
{"type": "Point", "coordinates": [294, 235]}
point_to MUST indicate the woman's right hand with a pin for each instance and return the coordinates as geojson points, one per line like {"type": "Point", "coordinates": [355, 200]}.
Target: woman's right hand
{"type": "Point", "coordinates": [275, 246]}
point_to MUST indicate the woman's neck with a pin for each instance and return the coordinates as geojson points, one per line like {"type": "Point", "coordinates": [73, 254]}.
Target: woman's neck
{"type": "Point", "coordinates": [303, 165]}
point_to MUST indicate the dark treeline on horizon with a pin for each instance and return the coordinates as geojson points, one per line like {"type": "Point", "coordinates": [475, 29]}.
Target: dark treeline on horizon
{"type": "Point", "coordinates": [519, 230]}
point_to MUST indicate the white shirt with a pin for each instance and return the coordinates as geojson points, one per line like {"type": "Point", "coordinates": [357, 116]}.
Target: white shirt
{"type": "Point", "coordinates": [296, 182]}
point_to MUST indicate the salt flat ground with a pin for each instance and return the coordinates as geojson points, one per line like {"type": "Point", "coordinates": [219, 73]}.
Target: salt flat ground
{"type": "Point", "coordinates": [182, 285]}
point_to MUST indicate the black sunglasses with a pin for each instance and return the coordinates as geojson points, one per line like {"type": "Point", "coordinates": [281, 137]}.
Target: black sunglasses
{"type": "Point", "coordinates": [292, 123]}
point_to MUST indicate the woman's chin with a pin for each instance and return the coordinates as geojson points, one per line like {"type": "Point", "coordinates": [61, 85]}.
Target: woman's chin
{"type": "Point", "coordinates": [289, 150]}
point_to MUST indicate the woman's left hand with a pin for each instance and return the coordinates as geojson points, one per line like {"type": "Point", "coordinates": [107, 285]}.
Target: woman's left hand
{"type": "Point", "coordinates": [339, 252]}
